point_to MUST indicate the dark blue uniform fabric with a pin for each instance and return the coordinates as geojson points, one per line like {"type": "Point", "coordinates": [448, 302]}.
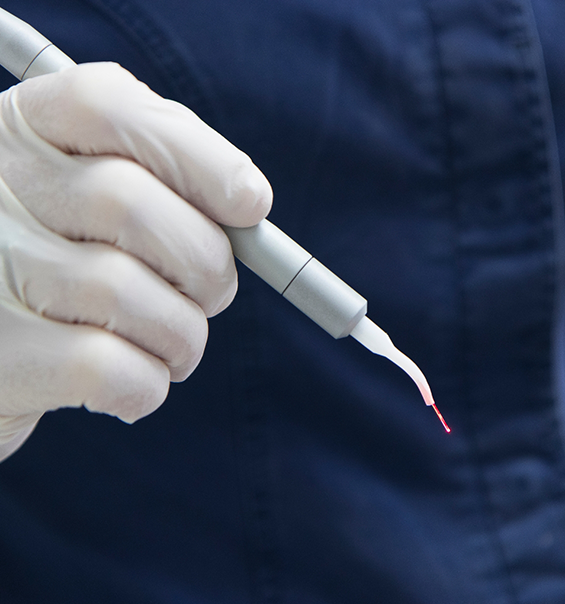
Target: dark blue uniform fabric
{"type": "Point", "coordinates": [413, 147]}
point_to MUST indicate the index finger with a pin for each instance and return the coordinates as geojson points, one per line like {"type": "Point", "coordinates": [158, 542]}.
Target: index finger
{"type": "Point", "coordinates": [100, 108]}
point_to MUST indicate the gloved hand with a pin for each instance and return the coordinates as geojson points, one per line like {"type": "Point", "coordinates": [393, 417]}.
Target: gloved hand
{"type": "Point", "coordinates": [110, 253]}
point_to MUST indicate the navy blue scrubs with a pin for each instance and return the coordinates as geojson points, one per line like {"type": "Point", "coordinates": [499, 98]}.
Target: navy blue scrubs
{"type": "Point", "coordinates": [413, 147]}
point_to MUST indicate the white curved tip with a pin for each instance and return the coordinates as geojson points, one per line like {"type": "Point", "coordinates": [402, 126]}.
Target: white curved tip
{"type": "Point", "coordinates": [376, 340]}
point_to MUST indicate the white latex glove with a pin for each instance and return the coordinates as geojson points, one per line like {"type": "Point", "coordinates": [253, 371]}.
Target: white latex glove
{"type": "Point", "coordinates": [107, 274]}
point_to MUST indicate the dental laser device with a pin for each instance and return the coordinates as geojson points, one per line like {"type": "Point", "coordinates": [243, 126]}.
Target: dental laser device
{"type": "Point", "coordinates": [263, 248]}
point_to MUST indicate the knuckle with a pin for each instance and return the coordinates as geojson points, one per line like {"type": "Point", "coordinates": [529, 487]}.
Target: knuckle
{"type": "Point", "coordinates": [110, 273]}
{"type": "Point", "coordinates": [112, 185]}
{"type": "Point", "coordinates": [80, 110]}
{"type": "Point", "coordinates": [100, 89]}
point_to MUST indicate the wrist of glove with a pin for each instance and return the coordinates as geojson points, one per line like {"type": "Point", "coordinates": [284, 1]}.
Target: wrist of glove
{"type": "Point", "coordinates": [111, 257]}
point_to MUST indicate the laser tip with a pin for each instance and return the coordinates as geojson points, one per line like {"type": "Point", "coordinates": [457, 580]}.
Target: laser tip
{"type": "Point", "coordinates": [444, 423]}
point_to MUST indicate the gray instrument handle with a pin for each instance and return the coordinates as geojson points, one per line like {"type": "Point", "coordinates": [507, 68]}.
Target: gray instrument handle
{"type": "Point", "coordinates": [21, 46]}
{"type": "Point", "coordinates": [299, 277]}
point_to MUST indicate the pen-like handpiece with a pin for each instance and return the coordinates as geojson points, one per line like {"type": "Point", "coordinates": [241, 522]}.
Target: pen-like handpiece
{"type": "Point", "coordinates": [299, 277]}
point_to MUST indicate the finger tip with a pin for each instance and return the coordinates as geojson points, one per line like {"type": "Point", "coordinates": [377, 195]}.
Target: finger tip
{"type": "Point", "coordinates": [251, 199]}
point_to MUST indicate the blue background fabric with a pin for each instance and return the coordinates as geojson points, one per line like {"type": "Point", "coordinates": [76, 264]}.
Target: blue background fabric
{"type": "Point", "coordinates": [413, 147]}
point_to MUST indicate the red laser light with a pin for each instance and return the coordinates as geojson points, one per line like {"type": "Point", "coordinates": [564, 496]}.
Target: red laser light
{"type": "Point", "coordinates": [444, 423]}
